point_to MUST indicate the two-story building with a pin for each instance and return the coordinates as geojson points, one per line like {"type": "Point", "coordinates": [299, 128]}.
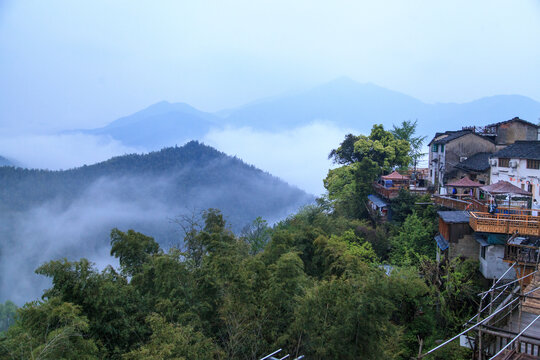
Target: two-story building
{"type": "Point", "coordinates": [508, 132]}
{"type": "Point", "coordinates": [447, 150]}
{"type": "Point", "coordinates": [519, 164]}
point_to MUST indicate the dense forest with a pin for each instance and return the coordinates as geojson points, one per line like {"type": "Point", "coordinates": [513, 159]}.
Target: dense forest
{"type": "Point", "coordinates": [52, 214]}
{"type": "Point", "coordinates": [188, 170]}
{"type": "Point", "coordinates": [326, 282]}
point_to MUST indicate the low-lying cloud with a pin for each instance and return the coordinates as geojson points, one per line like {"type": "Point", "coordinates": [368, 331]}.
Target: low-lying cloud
{"type": "Point", "coordinates": [80, 229]}
{"type": "Point", "coordinates": [298, 156]}
{"type": "Point", "coordinates": [62, 151]}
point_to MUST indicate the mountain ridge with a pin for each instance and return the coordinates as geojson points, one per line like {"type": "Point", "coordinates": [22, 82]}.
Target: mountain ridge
{"type": "Point", "coordinates": [345, 102]}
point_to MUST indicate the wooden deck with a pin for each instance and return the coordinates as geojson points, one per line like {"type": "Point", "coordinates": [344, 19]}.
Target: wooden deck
{"type": "Point", "coordinates": [505, 223]}
{"type": "Point", "coordinates": [393, 192]}
{"type": "Point", "coordinates": [513, 355]}
{"type": "Point", "coordinates": [463, 203]}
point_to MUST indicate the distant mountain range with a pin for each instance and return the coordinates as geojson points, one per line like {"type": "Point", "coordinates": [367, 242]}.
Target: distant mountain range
{"type": "Point", "coordinates": [346, 103]}
{"type": "Point", "coordinates": [55, 214]}
{"type": "Point", "coordinates": [159, 125]}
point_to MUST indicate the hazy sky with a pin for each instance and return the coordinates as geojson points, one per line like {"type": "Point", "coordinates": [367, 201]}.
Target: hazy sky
{"type": "Point", "coordinates": [69, 64]}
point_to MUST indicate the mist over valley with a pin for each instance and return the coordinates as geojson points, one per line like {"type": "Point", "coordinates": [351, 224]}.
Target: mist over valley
{"type": "Point", "coordinates": [55, 214]}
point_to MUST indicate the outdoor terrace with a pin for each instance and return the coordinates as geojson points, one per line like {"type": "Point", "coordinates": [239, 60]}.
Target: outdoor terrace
{"type": "Point", "coordinates": [393, 191]}
{"type": "Point", "coordinates": [460, 203]}
{"type": "Point", "coordinates": [506, 221]}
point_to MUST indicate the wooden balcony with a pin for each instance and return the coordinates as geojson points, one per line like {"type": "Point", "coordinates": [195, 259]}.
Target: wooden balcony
{"type": "Point", "coordinates": [393, 192]}
{"type": "Point", "coordinates": [510, 223]}
{"type": "Point", "coordinates": [464, 203]}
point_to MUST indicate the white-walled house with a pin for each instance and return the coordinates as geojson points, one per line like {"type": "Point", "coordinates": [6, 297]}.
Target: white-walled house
{"type": "Point", "coordinates": [519, 164]}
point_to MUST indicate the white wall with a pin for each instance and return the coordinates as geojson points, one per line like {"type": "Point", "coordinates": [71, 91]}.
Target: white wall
{"type": "Point", "coordinates": [518, 176]}
{"type": "Point", "coordinates": [492, 267]}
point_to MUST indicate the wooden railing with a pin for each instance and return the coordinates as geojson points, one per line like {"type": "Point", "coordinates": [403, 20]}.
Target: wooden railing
{"type": "Point", "coordinates": [387, 192]}
{"type": "Point", "coordinates": [393, 192]}
{"type": "Point", "coordinates": [505, 223]}
{"type": "Point", "coordinates": [460, 204]}
{"type": "Point", "coordinates": [523, 254]}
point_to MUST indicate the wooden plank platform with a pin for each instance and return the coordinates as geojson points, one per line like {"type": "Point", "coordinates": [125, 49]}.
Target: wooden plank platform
{"type": "Point", "coordinates": [531, 304]}
{"type": "Point", "coordinates": [512, 355]}
{"type": "Point", "coordinates": [505, 223]}
{"type": "Point", "coordinates": [526, 318]}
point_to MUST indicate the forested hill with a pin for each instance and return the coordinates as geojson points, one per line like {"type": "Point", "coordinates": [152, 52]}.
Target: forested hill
{"type": "Point", "coordinates": [55, 214]}
{"type": "Point", "coordinates": [183, 172]}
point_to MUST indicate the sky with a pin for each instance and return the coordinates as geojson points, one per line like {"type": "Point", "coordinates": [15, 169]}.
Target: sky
{"type": "Point", "coordinates": [81, 64]}
{"type": "Point", "coordinates": [70, 64]}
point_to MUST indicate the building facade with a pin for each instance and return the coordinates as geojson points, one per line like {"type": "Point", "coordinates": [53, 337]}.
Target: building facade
{"type": "Point", "coordinates": [519, 164]}
{"type": "Point", "coordinates": [447, 150]}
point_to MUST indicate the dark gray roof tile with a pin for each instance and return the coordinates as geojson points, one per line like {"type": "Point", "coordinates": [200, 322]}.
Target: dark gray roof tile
{"type": "Point", "coordinates": [454, 217]}
{"type": "Point", "coordinates": [520, 150]}
{"type": "Point", "coordinates": [477, 162]}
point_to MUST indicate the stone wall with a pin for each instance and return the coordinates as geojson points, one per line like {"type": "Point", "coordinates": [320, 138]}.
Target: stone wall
{"type": "Point", "coordinates": [466, 247]}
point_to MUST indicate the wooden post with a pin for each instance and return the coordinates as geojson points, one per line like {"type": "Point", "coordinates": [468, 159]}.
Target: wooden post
{"type": "Point", "coordinates": [480, 355]}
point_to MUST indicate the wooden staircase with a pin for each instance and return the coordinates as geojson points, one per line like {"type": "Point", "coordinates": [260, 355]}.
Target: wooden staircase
{"type": "Point", "coordinates": [532, 301]}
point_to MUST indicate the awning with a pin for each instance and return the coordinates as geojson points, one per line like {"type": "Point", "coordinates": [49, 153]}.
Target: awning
{"type": "Point", "coordinates": [465, 182]}
{"type": "Point", "coordinates": [441, 242]}
{"type": "Point", "coordinates": [395, 176]}
{"type": "Point", "coordinates": [481, 240]}
{"type": "Point", "coordinates": [377, 201]}
{"type": "Point", "coordinates": [504, 187]}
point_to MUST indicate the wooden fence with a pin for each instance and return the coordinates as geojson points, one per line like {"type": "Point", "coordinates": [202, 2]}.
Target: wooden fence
{"type": "Point", "coordinates": [505, 223]}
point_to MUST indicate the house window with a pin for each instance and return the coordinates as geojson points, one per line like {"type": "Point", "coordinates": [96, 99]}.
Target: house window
{"type": "Point", "coordinates": [504, 162]}
{"type": "Point", "coordinates": [483, 252]}
{"type": "Point", "coordinates": [434, 148]}
{"type": "Point", "coordinates": [533, 164]}
{"type": "Point", "coordinates": [442, 148]}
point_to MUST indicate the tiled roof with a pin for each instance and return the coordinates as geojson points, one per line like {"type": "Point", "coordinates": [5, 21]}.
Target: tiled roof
{"type": "Point", "coordinates": [454, 217]}
{"type": "Point", "coordinates": [477, 162]}
{"type": "Point", "coordinates": [395, 176]}
{"type": "Point", "coordinates": [520, 150]}
{"type": "Point", "coordinates": [504, 187]}
{"type": "Point", "coordinates": [512, 120]}
{"type": "Point", "coordinates": [465, 182]}
{"type": "Point", "coordinates": [452, 135]}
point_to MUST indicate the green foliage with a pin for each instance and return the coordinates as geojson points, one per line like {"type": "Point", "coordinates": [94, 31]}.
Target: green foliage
{"type": "Point", "coordinates": [49, 330]}
{"type": "Point", "coordinates": [406, 132]}
{"type": "Point", "coordinates": [345, 318]}
{"type": "Point", "coordinates": [380, 146]}
{"type": "Point", "coordinates": [363, 159]}
{"type": "Point", "coordinates": [114, 309]}
{"type": "Point", "coordinates": [170, 341]}
{"type": "Point", "coordinates": [413, 242]}
{"type": "Point", "coordinates": [8, 312]}
{"type": "Point", "coordinates": [346, 253]}
{"type": "Point", "coordinates": [133, 249]}
{"type": "Point", "coordinates": [257, 235]}
{"type": "Point", "coordinates": [317, 288]}
{"type": "Point", "coordinates": [461, 282]}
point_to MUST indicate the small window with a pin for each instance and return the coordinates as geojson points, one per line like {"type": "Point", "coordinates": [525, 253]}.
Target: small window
{"type": "Point", "coordinates": [442, 148]}
{"type": "Point", "coordinates": [434, 148]}
{"type": "Point", "coordinates": [533, 164]}
{"type": "Point", "coordinates": [483, 252]}
{"type": "Point", "coordinates": [504, 162]}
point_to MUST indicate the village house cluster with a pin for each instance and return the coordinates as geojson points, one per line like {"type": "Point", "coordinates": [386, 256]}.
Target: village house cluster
{"type": "Point", "coordinates": [486, 182]}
